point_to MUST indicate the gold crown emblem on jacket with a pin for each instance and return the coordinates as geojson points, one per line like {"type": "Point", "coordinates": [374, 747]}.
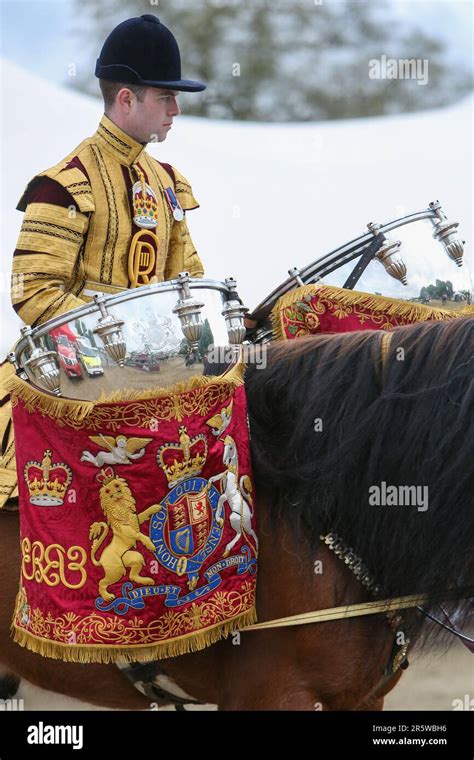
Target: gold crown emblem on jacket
{"type": "Point", "coordinates": [184, 459]}
{"type": "Point", "coordinates": [145, 205]}
{"type": "Point", "coordinates": [47, 481]}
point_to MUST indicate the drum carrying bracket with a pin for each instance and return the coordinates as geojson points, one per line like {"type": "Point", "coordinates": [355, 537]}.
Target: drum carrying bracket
{"type": "Point", "coordinates": [296, 274]}
{"type": "Point", "coordinates": [364, 261]}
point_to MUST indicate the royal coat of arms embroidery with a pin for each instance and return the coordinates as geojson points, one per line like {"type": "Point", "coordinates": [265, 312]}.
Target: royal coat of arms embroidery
{"type": "Point", "coordinates": [145, 547]}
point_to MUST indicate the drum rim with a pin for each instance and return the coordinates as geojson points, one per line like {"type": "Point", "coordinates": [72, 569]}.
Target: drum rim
{"type": "Point", "coordinates": [128, 294]}
{"type": "Point", "coordinates": [351, 246]}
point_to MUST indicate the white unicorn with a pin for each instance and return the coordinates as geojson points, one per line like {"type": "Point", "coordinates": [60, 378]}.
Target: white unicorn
{"type": "Point", "coordinates": [241, 508]}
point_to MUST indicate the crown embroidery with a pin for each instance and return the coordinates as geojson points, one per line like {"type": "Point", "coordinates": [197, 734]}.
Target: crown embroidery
{"type": "Point", "coordinates": [106, 474]}
{"type": "Point", "coordinates": [145, 206]}
{"type": "Point", "coordinates": [184, 459]}
{"type": "Point", "coordinates": [47, 481]}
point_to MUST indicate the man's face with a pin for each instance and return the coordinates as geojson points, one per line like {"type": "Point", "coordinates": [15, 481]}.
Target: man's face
{"type": "Point", "coordinates": [151, 120]}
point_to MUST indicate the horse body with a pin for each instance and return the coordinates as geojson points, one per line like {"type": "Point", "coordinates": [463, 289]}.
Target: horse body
{"type": "Point", "coordinates": [408, 422]}
{"type": "Point", "coordinates": [337, 665]}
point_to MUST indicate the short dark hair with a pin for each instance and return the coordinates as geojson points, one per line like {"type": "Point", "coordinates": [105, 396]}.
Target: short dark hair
{"type": "Point", "coordinates": [109, 91]}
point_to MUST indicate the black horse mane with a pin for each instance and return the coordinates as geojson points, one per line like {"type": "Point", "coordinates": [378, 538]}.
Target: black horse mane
{"type": "Point", "coordinates": [407, 421]}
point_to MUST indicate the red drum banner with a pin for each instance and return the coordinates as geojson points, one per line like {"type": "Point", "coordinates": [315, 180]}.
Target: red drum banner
{"type": "Point", "coordinates": [137, 518]}
{"type": "Point", "coordinates": [313, 309]}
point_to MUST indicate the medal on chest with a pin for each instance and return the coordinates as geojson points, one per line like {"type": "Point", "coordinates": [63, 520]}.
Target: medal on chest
{"type": "Point", "coordinates": [145, 205]}
{"type": "Point", "coordinates": [175, 205]}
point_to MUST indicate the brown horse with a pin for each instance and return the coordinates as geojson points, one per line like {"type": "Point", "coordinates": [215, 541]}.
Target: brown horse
{"type": "Point", "coordinates": [329, 420]}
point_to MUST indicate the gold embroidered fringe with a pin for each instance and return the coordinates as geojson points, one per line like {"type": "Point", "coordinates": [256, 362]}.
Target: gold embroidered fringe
{"type": "Point", "coordinates": [102, 653]}
{"type": "Point", "coordinates": [394, 307]}
{"type": "Point", "coordinates": [77, 410]}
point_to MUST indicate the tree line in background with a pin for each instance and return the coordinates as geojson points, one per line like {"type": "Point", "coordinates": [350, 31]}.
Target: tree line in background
{"type": "Point", "coordinates": [293, 60]}
{"type": "Point", "coordinates": [443, 291]}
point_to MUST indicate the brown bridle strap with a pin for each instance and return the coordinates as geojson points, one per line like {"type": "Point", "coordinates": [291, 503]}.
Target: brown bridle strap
{"type": "Point", "coordinates": [358, 610]}
{"type": "Point", "coordinates": [384, 348]}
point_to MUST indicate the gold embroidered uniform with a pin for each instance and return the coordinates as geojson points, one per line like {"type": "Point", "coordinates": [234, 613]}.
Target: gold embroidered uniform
{"type": "Point", "coordinates": [76, 236]}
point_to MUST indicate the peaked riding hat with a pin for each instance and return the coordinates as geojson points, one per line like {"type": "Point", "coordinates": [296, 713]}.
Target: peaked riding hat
{"type": "Point", "coordinates": [142, 51]}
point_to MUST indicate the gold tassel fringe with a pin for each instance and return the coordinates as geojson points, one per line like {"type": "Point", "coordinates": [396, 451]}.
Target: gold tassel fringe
{"type": "Point", "coordinates": [77, 410]}
{"type": "Point", "coordinates": [88, 653]}
{"type": "Point", "coordinates": [394, 307]}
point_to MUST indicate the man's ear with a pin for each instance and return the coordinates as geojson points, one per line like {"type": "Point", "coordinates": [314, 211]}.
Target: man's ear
{"type": "Point", "coordinates": [124, 98]}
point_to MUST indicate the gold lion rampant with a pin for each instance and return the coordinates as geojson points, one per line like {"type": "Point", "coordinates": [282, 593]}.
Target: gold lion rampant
{"type": "Point", "coordinates": [119, 507]}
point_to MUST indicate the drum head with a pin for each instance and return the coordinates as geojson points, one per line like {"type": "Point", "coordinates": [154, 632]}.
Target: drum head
{"type": "Point", "coordinates": [156, 352]}
{"type": "Point", "coordinates": [426, 262]}
{"type": "Point", "coordinates": [430, 271]}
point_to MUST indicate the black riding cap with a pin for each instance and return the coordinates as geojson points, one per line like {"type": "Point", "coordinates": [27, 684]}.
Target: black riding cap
{"type": "Point", "coordinates": [143, 51]}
